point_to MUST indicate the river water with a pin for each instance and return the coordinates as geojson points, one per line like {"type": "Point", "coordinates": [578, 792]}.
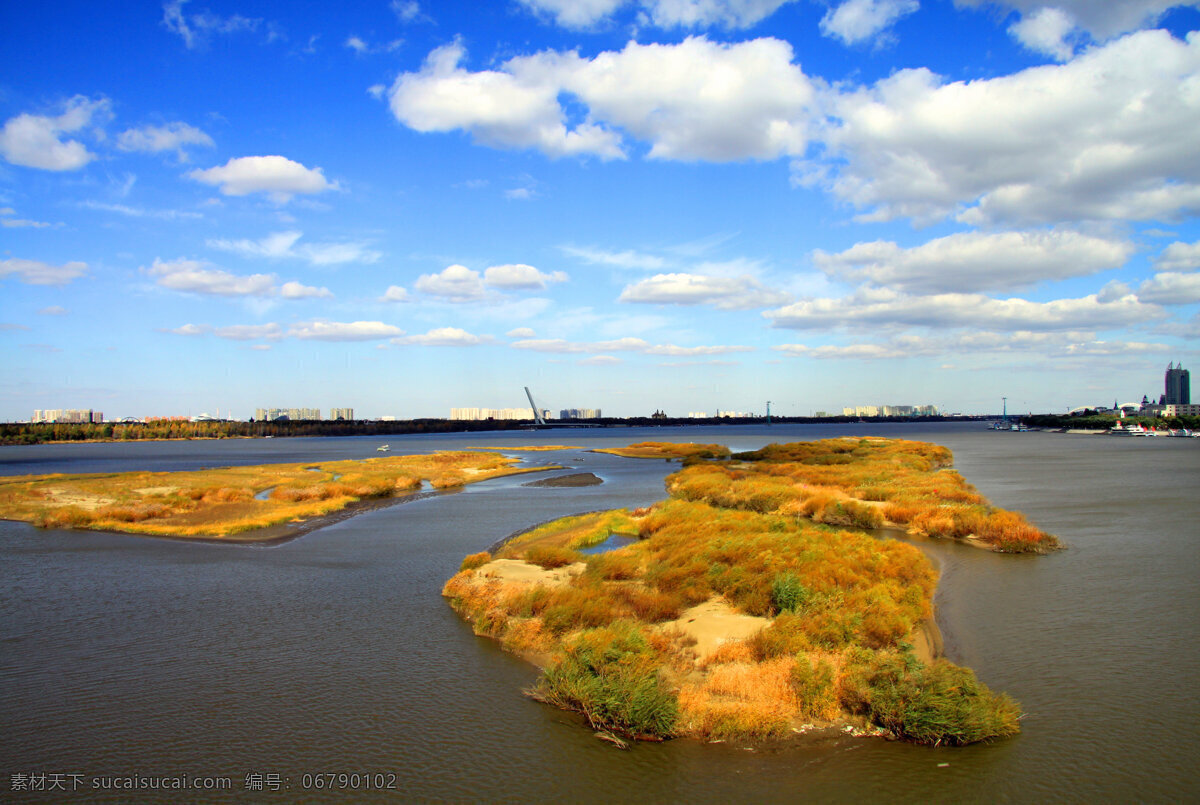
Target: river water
{"type": "Point", "coordinates": [335, 654]}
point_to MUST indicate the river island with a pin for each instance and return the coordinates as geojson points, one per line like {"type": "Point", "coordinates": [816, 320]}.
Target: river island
{"type": "Point", "coordinates": [757, 601]}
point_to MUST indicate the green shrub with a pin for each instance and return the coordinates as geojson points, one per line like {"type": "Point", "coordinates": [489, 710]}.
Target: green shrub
{"type": "Point", "coordinates": [788, 594]}
{"type": "Point", "coordinates": [936, 704]}
{"type": "Point", "coordinates": [610, 675]}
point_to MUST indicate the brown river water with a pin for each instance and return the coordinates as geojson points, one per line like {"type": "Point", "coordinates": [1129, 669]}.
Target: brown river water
{"type": "Point", "coordinates": [329, 667]}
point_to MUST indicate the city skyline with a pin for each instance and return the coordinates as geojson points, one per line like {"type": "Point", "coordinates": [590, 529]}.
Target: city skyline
{"type": "Point", "coordinates": [633, 204]}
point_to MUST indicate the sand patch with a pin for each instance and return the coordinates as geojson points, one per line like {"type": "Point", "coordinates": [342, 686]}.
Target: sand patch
{"type": "Point", "coordinates": [157, 490]}
{"type": "Point", "coordinates": [61, 497]}
{"type": "Point", "coordinates": [515, 571]}
{"type": "Point", "coordinates": [713, 624]}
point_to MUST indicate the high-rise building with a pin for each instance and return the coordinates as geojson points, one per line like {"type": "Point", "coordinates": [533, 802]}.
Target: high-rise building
{"type": "Point", "coordinates": [579, 413]}
{"type": "Point", "coordinates": [1177, 385]}
{"type": "Point", "coordinates": [341, 413]}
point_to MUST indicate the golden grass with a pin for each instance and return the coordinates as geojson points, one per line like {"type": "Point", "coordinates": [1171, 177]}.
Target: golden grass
{"type": "Point", "coordinates": [765, 532]}
{"type": "Point", "coordinates": [226, 501]}
{"type": "Point", "coordinates": [667, 450]}
{"type": "Point", "coordinates": [532, 448]}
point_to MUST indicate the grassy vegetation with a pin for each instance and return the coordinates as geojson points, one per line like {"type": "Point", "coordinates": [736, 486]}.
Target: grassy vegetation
{"type": "Point", "coordinates": [839, 607]}
{"type": "Point", "coordinates": [667, 450]}
{"type": "Point", "coordinates": [231, 500]}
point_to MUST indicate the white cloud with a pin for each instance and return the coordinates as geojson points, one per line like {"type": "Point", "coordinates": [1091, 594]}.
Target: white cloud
{"type": "Point", "coordinates": [444, 337]}
{"type": "Point", "coordinates": [35, 141]}
{"type": "Point", "coordinates": [725, 293]}
{"type": "Point", "coordinates": [501, 109]}
{"type": "Point", "coordinates": [695, 100]}
{"type": "Point", "coordinates": [406, 10]}
{"type": "Point", "coordinates": [285, 245]}
{"type": "Point", "coordinates": [357, 45]}
{"type": "Point", "coordinates": [294, 290]}
{"type": "Point", "coordinates": [519, 276]}
{"type": "Point", "coordinates": [574, 13]}
{"type": "Point", "coordinates": [625, 259]}
{"type": "Point", "coordinates": [194, 276]}
{"type": "Point", "coordinates": [977, 261]}
{"type": "Point", "coordinates": [279, 177]}
{"type": "Point", "coordinates": [17, 223]}
{"type": "Point", "coordinates": [1121, 116]}
{"type": "Point", "coordinates": [171, 137]}
{"type": "Point", "coordinates": [855, 21]}
{"type": "Point", "coordinates": [521, 332]}
{"type": "Point", "coordinates": [582, 14]}
{"type": "Point", "coordinates": [1047, 31]}
{"type": "Point", "coordinates": [344, 331]}
{"type": "Point", "coordinates": [454, 283]}
{"type": "Point", "coordinates": [1033, 344]}
{"type": "Point", "coordinates": [362, 47]}
{"type": "Point", "coordinates": [34, 272]}
{"type": "Point", "coordinates": [1103, 19]}
{"type": "Point", "coordinates": [395, 293]}
{"type": "Point", "coordinates": [671, 349]}
{"type": "Point", "coordinates": [139, 212]}
{"type": "Point", "coordinates": [192, 329]}
{"type": "Point", "coordinates": [627, 344]}
{"type": "Point", "coordinates": [600, 360]}
{"type": "Point", "coordinates": [249, 332]}
{"type": "Point", "coordinates": [1171, 288]}
{"type": "Point", "coordinates": [711, 13]}
{"type": "Point", "coordinates": [1179, 257]}
{"type": "Point", "coordinates": [878, 307]}
{"type": "Point", "coordinates": [196, 29]}
{"type": "Point", "coordinates": [53, 310]}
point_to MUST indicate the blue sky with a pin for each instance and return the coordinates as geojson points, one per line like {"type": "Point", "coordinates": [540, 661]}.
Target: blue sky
{"type": "Point", "coordinates": [403, 206]}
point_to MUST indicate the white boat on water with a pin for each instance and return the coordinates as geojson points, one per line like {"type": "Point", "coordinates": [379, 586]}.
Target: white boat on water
{"type": "Point", "coordinates": [1121, 429]}
{"type": "Point", "coordinates": [383, 448]}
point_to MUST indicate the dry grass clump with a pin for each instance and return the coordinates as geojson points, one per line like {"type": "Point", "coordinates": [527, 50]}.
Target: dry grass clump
{"type": "Point", "coordinates": [222, 502]}
{"type": "Point", "coordinates": [668, 450]}
{"type": "Point", "coordinates": [766, 534]}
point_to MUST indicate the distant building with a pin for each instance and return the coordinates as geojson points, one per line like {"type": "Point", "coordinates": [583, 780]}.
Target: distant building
{"type": "Point", "coordinates": [697, 415]}
{"type": "Point", "coordinates": [342, 413]}
{"type": "Point", "coordinates": [890, 410]}
{"type": "Point", "coordinates": [1181, 409]}
{"type": "Point", "coordinates": [68, 415]}
{"type": "Point", "coordinates": [734, 414]}
{"type": "Point", "coordinates": [477, 414]}
{"type": "Point", "coordinates": [1177, 386]}
{"type": "Point", "coordinates": [272, 414]}
{"type": "Point", "coordinates": [579, 413]}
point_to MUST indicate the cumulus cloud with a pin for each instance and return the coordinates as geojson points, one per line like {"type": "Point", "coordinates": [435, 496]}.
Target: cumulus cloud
{"type": "Point", "coordinates": [454, 283]}
{"type": "Point", "coordinates": [249, 332]}
{"type": "Point", "coordinates": [171, 137]}
{"type": "Point", "coordinates": [395, 293]}
{"type": "Point", "coordinates": [294, 290]}
{"type": "Point", "coordinates": [406, 10]}
{"type": "Point", "coordinates": [1121, 117]}
{"type": "Point", "coordinates": [1047, 31]}
{"type": "Point", "coordinates": [725, 293]}
{"type": "Point", "coordinates": [671, 349]}
{"type": "Point", "coordinates": [1103, 20]}
{"type": "Point", "coordinates": [194, 276]}
{"type": "Point", "coordinates": [1170, 288]}
{"type": "Point", "coordinates": [977, 261]}
{"type": "Point", "coordinates": [34, 272]}
{"type": "Point", "coordinates": [519, 276]}
{"type": "Point", "coordinates": [514, 108]}
{"type": "Point", "coordinates": [343, 331]}
{"type": "Point", "coordinates": [286, 245]}
{"type": "Point", "coordinates": [695, 100]}
{"type": "Point", "coordinates": [278, 177]}
{"type": "Point", "coordinates": [521, 332]}
{"type": "Point", "coordinates": [600, 360]}
{"type": "Point", "coordinates": [855, 21]}
{"type": "Point", "coordinates": [444, 337]}
{"type": "Point", "coordinates": [878, 307]}
{"type": "Point", "coordinates": [1179, 257]}
{"type": "Point", "coordinates": [35, 141]}
{"type": "Point", "coordinates": [574, 13]}
{"type": "Point", "coordinates": [196, 29]}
